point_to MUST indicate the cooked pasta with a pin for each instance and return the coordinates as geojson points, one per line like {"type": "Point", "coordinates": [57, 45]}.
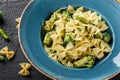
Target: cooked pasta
{"type": "Point", "coordinates": [72, 34]}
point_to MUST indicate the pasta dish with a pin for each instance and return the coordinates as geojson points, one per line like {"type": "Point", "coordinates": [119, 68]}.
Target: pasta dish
{"type": "Point", "coordinates": [76, 37]}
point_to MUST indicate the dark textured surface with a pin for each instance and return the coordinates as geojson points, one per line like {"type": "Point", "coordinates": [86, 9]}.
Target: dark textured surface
{"type": "Point", "coordinates": [12, 9]}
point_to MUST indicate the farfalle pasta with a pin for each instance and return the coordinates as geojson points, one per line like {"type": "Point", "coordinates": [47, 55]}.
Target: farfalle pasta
{"type": "Point", "coordinates": [71, 35]}
{"type": "Point", "coordinates": [7, 53]}
{"type": "Point", "coordinates": [25, 67]}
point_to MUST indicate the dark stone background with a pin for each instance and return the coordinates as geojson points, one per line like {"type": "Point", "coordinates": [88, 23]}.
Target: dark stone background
{"type": "Point", "coordinates": [12, 9]}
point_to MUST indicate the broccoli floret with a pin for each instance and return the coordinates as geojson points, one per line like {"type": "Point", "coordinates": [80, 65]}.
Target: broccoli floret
{"type": "Point", "coordinates": [47, 40]}
{"type": "Point", "coordinates": [81, 19]}
{"type": "Point", "coordinates": [86, 62]}
{"type": "Point", "coordinates": [67, 14]}
{"type": "Point", "coordinates": [68, 39]}
{"type": "Point", "coordinates": [106, 37]}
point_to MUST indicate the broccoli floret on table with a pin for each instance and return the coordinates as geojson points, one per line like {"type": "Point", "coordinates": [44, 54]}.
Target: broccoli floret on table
{"type": "Point", "coordinates": [86, 62]}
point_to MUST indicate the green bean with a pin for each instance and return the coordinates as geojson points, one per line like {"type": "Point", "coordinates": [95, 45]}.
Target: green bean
{"type": "Point", "coordinates": [3, 34]}
{"type": "Point", "coordinates": [68, 39]}
{"type": "Point", "coordinates": [1, 58]}
{"type": "Point", "coordinates": [47, 40]}
{"type": "Point", "coordinates": [106, 37]}
{"type": "Point", "coordinates": [82, 19]}
{"type": "Point", "coordinates": [1, 17]}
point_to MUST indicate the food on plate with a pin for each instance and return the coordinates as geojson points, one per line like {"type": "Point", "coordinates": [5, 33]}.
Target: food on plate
{"type": "Point", "coordinates": [76, 37]}
{"type": "Point", "coordinates": [87, 61]}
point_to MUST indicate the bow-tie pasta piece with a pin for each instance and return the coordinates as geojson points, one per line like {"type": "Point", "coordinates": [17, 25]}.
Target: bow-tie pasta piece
{"type": "Point", "coordinates": [24, 72]}
{"type": "Point", "coordinates": [4, 50]}
{"type": "Point", "coordinates": [25, 65]}
{"type": "Point", "coordinates": [18, 20]}
{"type": "Point", "coordinates": [8, 54]}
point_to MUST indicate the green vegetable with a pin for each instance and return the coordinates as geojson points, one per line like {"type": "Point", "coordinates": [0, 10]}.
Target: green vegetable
{"type": "Point", "coordinates": [3, 34]}
{"type": "Point", "coordinates": [47, 40]}
{"type": "Point", "coordinates": [87, 62]}
{"type": "Point", "coordinates": [1, 17]}
{"type": "Point", "coordinates": [67, 14]}
{"type": "Point", "coordinates": [106, 37]}
{"type": "Point", "coordinates": [1, 58]}
{"type": "Point", "coordinates": [68, 39]}
{"type": "Point", "coordinates": [49, 25]}
{"type": "Point", "coordinates": [98, 35]}
{"type": "Point", "coordinates": [81, 19]}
